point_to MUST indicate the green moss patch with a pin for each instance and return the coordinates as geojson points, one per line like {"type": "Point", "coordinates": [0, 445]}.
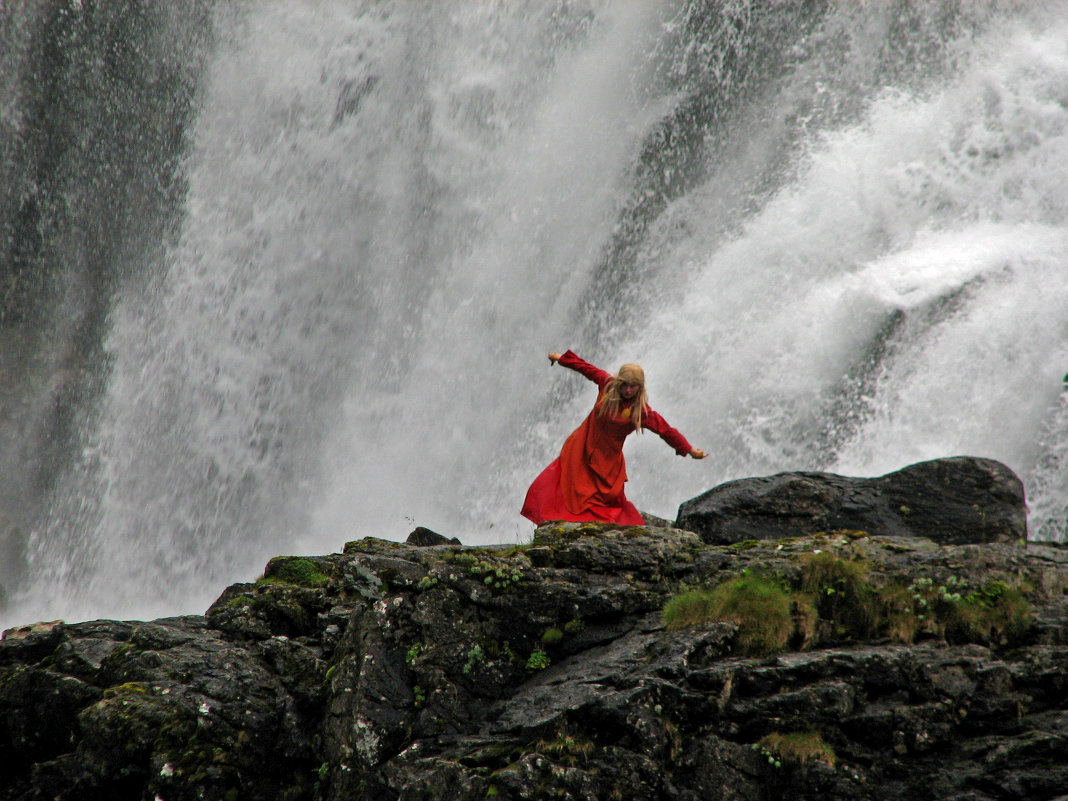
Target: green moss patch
{"type": "Point", "coordinates": [295, 570]}
{"type": "Point", "coordinates": [796, 748]}
{"type": "Point", "coordinates": [834, 600]}
{"type": "Point", "coordinates": [761, 606]}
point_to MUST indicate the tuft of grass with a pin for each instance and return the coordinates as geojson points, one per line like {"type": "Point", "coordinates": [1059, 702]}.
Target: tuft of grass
{"type": "Point", "coordinates": [574, 626]}
{"type": "Point", "coordinates": [761, 606]}
{"type": "Point", "coordinates": [566, 748]}
{"type": "Point", "coordinates": [295, 570]}
{"type": "Point", "coordinates": [995, 614]}
{"type": "Point", "coordinates": [130, 687]}
{"type": "Point", "coordinates": [797, 748]}
{"type": "Point", "coordinates": [551, 636]}
{"type": "Point", "coordinates": [691, 608]}
{"type": "Point", "coordinates": [842, 594]}
{"type": "Point", "coordinates": [821, 572]}
{"type": "Point", "coordinates": [900, 621]}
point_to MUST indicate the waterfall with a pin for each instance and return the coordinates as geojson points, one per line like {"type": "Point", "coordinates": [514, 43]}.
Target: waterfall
{"type": "Point", "coordinates": [833, 234]}
{"type": "Point", "coordinates": [901, 297]}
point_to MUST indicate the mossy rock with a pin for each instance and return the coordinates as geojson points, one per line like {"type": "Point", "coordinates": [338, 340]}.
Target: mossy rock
{"type": "Point", "coordinates": [299, 570]}
{"type": "Point", "coordinates": [565, 531]}
{"type": "Point", "coordinates": [825, 599]}
{"type": "Point", "coordinates": [797, 748]}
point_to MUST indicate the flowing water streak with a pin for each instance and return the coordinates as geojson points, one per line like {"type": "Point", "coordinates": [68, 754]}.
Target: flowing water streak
{"type": "Point", "coordinates": [429, 449]}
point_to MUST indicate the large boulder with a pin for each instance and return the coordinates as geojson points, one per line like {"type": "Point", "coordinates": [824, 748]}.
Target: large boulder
{"type": "Point", "coordinates": [953, 501]}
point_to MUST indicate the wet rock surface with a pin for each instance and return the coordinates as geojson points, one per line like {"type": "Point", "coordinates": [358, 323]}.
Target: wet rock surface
{"type": "Point", "coordinates": [399, 671]}
{"type": "Point", "coordinates": [953, 501]}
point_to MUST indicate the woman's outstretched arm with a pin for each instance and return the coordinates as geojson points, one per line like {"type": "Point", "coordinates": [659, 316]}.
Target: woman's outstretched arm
{"type": "Point", "coordinates": [658, 425]}
{"type": "Point", "coordinates": [570, 360]}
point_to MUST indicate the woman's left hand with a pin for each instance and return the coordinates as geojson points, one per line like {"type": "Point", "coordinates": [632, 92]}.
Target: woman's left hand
{"type": "Point", "coordinates": [697, 453]}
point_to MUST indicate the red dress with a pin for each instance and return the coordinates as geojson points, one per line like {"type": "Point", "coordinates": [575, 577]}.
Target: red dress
{"type": "Point", "coordinates": [585, 483]}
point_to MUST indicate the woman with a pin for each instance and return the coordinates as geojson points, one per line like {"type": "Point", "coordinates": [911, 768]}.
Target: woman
{"type": "Point", "coordinates": [586, 481]}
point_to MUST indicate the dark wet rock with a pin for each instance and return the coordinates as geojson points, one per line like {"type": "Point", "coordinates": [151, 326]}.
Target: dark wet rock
{"type": "Point", "coordinates": [393, 671]}
{"type": "Point", "coordinates": [952, 501]}
{"type": "Point", "coordinates": [131, 710]}
{"type": "Point", "coordinates": [427, 538]}
{"type": "Point", "coordinates": [656, 522]}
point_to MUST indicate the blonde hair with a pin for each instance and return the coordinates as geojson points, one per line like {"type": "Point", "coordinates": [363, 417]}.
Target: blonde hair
{"type": "Point", "coordinates": [611, 403]}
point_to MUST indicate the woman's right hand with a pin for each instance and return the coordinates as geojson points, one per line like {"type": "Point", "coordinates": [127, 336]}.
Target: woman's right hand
{"type": "Point", "coordinates": [554, 357]}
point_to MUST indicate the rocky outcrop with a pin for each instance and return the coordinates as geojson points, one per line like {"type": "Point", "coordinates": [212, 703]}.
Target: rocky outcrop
{"type": "Point", "coordinates": [425, 537]}
{"type": "Point", "coordinates": [560, 669]}
{"type": "Point", "coordinates": [956, 500]}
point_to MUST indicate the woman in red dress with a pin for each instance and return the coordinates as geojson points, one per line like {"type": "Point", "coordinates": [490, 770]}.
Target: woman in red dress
{"type": "Point", "coordinates": [585, 483]}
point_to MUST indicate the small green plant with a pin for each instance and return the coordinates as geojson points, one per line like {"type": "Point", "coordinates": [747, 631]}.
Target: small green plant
{"type": "Point", "coordinates": [538, 660]}
{"type": "Point", "coordinates": [771, 756]}
{"type": "Point", "coordinates": [995, 614]}
{"type": "Point", "coordinates": [322, 774]}
{"type": "Point", "coordinates": [426, 582]}
{"type": "Point", "coordinates": [413, 654]}
{"type": "Point", "coordinates": [418, 697]}
{"type": "Point", "coordinates": [475, 656]}
{"type": "Point", "coordinates": [497, 576]}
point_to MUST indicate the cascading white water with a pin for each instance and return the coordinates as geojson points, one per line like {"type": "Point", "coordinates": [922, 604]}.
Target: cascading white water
{"type": "Point", "coordinates": [395, 210]}
{"type": "Point", "coordinates": [905, 298]}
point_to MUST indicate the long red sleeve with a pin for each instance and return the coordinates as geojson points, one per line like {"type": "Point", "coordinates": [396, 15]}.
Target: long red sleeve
{"type": "Point", "coordinates": [595, 374]}
{"type": "Point", "coordinates": [658, 425]}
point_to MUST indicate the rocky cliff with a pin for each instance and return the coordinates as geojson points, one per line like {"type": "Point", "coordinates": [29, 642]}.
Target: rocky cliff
{"type": "Point", "coordinates": [592, 663]}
